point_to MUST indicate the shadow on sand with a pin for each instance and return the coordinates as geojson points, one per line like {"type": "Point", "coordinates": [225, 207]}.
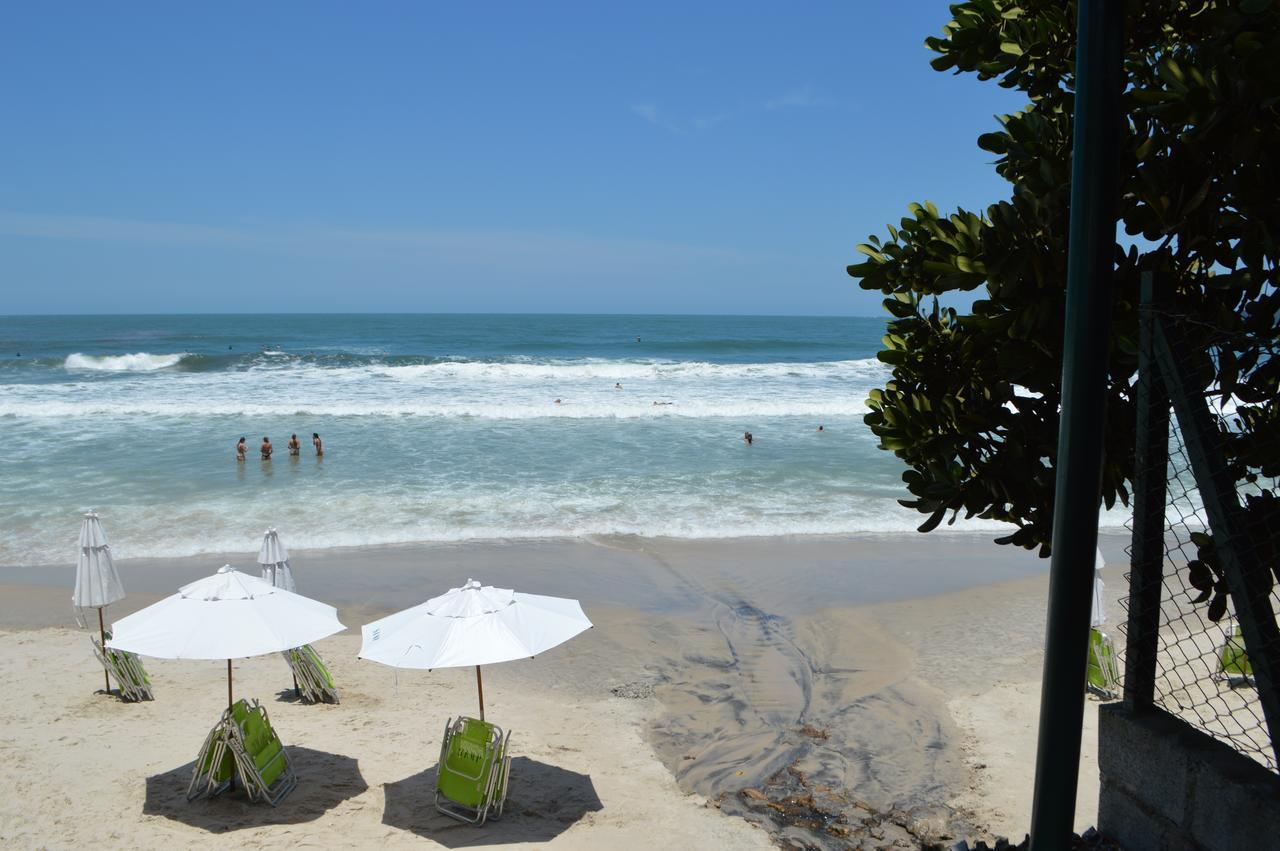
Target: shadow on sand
{"type": "Point", "coordinates": [325, 780]}
{"type": "Point", "coordinates": [543, 802]}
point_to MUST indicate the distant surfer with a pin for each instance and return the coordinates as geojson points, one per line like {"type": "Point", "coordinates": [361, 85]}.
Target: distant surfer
{"type": "Point", "coordinates": [293, 445]}
{"type": "Point", "coordinates": [747, 438]}
{"type": "Point", "coordinates": [265, 448]}
{"type": "Point", "coordinates": [637, 339]}
{"type": "Point", "coordinates": [315, 441]}
{"type": "Point", "coordinates": [241, 449]}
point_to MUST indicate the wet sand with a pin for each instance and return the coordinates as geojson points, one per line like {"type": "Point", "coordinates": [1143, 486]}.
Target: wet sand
{"type": "Point", "coordinates": [846, 660]}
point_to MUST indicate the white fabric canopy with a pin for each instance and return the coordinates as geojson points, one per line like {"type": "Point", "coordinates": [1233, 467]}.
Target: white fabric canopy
{"type": "Point", "coordinates": [274, 559]}
{"type": "Point", "coordinates": [97, 582]}
{"type": "Point", "coordinates": [472, 625]}
{"type": "Point", "coordinates": [1099, 615]}
{"type": "Point", "coordinates": [229, 615]}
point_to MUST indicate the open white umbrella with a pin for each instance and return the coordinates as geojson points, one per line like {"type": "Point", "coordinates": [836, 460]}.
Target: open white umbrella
{"type": "Point", "coordinates": [274, 559]}
{"type": "Point", "coordinates": [472, 625]}
{"type": "Point", "coordinates": [97, 583]}
{"type": "Point", "coordinates": [229, 615]}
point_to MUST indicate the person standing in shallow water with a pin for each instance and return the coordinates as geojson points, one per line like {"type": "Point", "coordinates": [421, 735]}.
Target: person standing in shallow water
{"type": "Point", "coordinates": [265, 448]}
{"type": "Point", "coordinates": [241, 449]}
{"type": "Point", "coordinates": [293, 445]}
{"type": "Point", "coordinates": [315, 441]}
{"type": "Point", "coordinates": [747, 438]}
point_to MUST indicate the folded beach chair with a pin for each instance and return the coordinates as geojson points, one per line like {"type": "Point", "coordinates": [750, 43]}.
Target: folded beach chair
{"type": "Point", "coordinates": [215, 765]}
{"type": "Point", "coordinates": [243, 744]}
{"type": "Point", "coordinates": [475, 764]}
{"type": "Point", "coordinates": [1233, 660]}
{"type": "Point", "coordinates": [261, 760]}
{"type": "Point", "coordinates": [128, 671]}
{"type": "Point", "coordinates": [1104, 672]}
{"type": "Point", "coordinates": [315, 683]}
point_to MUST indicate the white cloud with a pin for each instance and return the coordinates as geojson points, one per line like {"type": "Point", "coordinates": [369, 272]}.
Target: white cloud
{"type": "Point", "coordinates": [799, 97]}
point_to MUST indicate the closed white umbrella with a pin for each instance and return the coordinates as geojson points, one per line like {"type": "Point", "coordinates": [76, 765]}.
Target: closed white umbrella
{"type": "Point", "coordinates": [274, 559]}
{"type": "Point", "coordinates": [1099, 613]}
{"type": "Point", "coordinates": [97, 583]}
{"type": "Point", "coordinates": [472, 625]}
{"type": "Point", "coordinates": [229, 615]}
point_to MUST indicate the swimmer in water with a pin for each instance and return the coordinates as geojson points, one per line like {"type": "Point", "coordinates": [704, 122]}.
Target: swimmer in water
{"type": "Point", "coordinates": [746, 436]}
{"type": "Point", "coordinates": [293, 445]}
{"type": "Point", "coordinates": [820, 428]}
{"type": "Point", "coordinates": [241, 449]}
{"type": "Point", "coordinates": [265, 448]}
{"type": "Point", "coordinates": [315, 441]}
{"type": "Point", "coordinates": [617, 385]}
{"type": "Point", "coordinates": [557, 401]}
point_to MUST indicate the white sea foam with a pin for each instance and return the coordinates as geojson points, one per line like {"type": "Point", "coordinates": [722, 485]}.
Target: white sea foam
{"type": "Point", "coordinates": [136, 362]}
{"type": "Point", "coordinates": [515, 390]}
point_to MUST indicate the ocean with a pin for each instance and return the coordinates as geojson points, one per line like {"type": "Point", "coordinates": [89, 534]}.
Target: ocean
{"type": "Point", "coordinates": [437, 428]}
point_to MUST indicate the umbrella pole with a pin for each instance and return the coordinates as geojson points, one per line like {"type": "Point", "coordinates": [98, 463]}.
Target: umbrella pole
{"type": "Point", "coordinates": [228, 684]}
{"type": "Point", "coordinates": [480, 689]}
{"type": "Point", "coordinates": [102, 634]}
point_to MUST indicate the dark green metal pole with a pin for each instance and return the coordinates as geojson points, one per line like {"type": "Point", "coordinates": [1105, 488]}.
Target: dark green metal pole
{"type": "Point", "coordinates": [1090, 266]}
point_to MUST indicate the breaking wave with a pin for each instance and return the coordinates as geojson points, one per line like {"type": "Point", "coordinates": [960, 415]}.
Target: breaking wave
{"type": "Point", "coordinates": [136, 362]}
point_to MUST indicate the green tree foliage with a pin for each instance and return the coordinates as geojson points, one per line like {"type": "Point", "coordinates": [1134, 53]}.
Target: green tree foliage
{"type": "Point", "coordinates": [972, 406]}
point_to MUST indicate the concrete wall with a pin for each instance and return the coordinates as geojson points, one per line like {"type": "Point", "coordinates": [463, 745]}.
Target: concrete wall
{"type": "Point", "coordinates": [1166, 786]}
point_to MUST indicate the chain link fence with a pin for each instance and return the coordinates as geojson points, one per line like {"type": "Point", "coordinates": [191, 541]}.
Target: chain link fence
{"type": "Point", "coordinates": [1190, 637]}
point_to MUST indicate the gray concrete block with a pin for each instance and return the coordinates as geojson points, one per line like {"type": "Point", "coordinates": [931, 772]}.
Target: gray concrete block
{"type": "Point", "coordinates": [1122, 817]}
{"type": "Point", "coordinates": [1166, 785]}
{"type": "Point", "coordinates": [1142, 757]}
{"type": "Point", "coordinates": [1237, 804]}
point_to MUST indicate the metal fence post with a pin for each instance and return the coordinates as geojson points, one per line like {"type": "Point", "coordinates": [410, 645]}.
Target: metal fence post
{"type": "Point", "coordinates": [1090, 267]}
{"type": "Point", "coordinates": [1150, 487]}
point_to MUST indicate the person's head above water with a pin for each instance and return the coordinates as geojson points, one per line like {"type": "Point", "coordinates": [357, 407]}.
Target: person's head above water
{"type": "Point", "coordinates": [242, 440]}
{"type": "Point", "coordinates": [295, 437]}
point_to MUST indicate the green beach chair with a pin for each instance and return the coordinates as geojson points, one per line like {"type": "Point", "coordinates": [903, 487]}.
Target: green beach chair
{"type": "Point", "coordinates": [215, 766]}
{"type": "Point", "coordinates": [1103, 672]}
{"type": "Point", "coordinates": [315, 683]}
{"type": "Point", "coordinates": [1233, 659]}
{"type": "Point", "coordinates": [127, 670]}
{"type": "Point", "coordinates": [261, 760]}
{"type": "Point", "coordinates": [475, 765]}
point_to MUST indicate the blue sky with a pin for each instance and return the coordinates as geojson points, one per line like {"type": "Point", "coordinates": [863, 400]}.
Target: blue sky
{"type": "Point", "coordinates": [549, 157]}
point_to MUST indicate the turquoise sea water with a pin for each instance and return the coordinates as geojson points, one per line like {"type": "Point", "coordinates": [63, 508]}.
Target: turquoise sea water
{"type": "Point", "coordinates": [436, 428]}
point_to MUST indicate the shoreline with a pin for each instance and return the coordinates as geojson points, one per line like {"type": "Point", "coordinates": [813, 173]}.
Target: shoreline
{"type": "Point", "coordinates": [746, 644]}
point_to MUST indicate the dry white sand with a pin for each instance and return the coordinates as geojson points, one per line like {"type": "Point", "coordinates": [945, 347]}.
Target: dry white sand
{"type": "Point", "coordinates": [85, 770]}
{"type": "Point", "coordinates": [984, 647]}
{"type": "Point", "coordinates": [925, 702]}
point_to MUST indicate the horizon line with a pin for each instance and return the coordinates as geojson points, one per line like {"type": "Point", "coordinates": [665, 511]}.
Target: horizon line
{"type": "Point", "coordinates": [446, 313]}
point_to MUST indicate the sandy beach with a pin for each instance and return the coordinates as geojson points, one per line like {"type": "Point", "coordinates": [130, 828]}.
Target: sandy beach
{"type": "Point", "coordinates": [890, 676]}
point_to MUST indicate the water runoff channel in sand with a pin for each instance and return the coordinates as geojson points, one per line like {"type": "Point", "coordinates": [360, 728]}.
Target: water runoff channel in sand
{"type": "Point", "coordinates": [779, 685]}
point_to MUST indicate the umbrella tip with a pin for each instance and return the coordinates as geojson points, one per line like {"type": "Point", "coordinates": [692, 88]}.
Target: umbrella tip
{"type": "Point", "coordinates": [226, 568]}
{"type": "Point", "coordinates": [472, 584]}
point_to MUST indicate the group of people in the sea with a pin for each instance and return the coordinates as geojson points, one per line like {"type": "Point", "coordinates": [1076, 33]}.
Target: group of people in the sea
{"type": "Point", "coordinates": [294, 446]}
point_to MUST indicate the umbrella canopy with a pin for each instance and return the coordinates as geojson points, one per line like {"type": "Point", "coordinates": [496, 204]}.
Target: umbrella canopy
{"type": "Point", "coordinates": [97, 582]}
{"type": "Point", "coordinates": [229, 615]}
{"type": "Point", "coordinates": [472, 625]}
{"type": "Point", "coordinates": [1099, 614]}
{"type": "Point", "coordinates": [274, 559]}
